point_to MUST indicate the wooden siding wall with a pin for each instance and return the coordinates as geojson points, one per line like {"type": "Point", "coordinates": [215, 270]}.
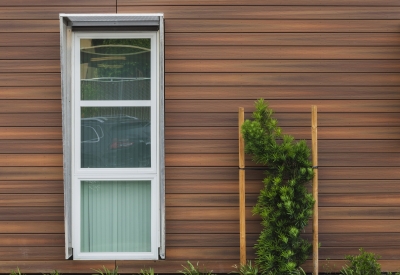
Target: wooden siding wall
{"type": "Point", "coordinates": [342, 56]}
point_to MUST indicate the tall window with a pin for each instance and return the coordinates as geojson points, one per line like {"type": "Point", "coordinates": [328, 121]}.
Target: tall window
{"type": "Point", "coordinates": [114, 131]}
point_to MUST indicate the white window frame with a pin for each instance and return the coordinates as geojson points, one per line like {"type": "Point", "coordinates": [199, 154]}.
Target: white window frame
{"type": "Point", "coordinates": [73, 173]}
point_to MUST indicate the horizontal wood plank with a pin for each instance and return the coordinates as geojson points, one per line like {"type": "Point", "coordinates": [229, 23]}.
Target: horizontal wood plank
{"type": "Point", "coordinates": [209, 186]}
{"type": "Point", "coordinates": [30, 133]}
{"type": "Point", "coordinates": [50, 12]}
{"type": "Point", "coordinates": [284, 119]}
{"type": "Point", "coordinates": [31, 227]}
{"type": "Point", "coordinates": [324, 146]}
{"type": "Point", "coordinates": [276, 79]}
{"type": "Point", "coordinates": [253, 186]}
{"type": "Point", "coordinates": [35, 240]}
{"type": "Point", "coordinates": [277, 66]}
{"type": "Point", "coordinates": [348, 212]}
{"type": "Point", "coordinates": [248, 26]}
{"type": "Point", "coordinates": [390, 3]}
{"type": "Point", "coordinates": [376, 203]}
{"type": "Point", "coordinates": [48, 266]}
{"type": "Point", "coordinates": [49, 200]}
{"type": "Point", "coordinates": [32, 253]}
{"type": "Point", "coordinates": [324, 159]}
{"type": "Point", "coordinates": [231, 173]}
{"type": "Point", "coordinates": [31, 160]}
{"type": "Point", "coordinates": [30, 146]}
{"type": "Point", "coordinates": [17, 92]}
{"type": "Point", "coordinates": [31, 187]}
{"type": "Point", "coordinates": [197, 214]}
{"type": "Point", "coordinates": [359, 186]}
{"type": "Point", "coordinates": [287, 106]}
{"type": "Point", "coordinates": [210, 227]}
{"type": "Point", "coordinates": [29, 79]}
{"type": "Point", "coordinates": [30, 212]}
{"type": "Point", "coordinates": [357, 133]}
{"type": "Point", "coordinates": [23, 3]}
{"type": "Point", "coordinates": [30, 66]}
{"type": "Point", "coordinates": [31, 119]}
{"type": "Point", "coordinates": [265, 12]}
{"type": "Point", "coordinates": [282, 92]}
{"type": "Point", "coordinates": [32, 39]}
{"type": "Point", "coordinates": [279, 53]}
{"type": "Point", "coordinates": [31, 173]}
{"type": "Point", "coordinates": [38, 26]}
{"type": "Point", "coordinates": [282, 39]}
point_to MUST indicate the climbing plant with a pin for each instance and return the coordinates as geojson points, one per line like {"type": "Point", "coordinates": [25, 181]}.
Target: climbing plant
{"type": "Point", "coordinates": [284, 204]}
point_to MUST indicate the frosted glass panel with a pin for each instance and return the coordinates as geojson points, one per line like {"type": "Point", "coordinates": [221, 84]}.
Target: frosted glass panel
{"type": "Point", "coordinates": [115, 137]}
{"type": "Point", "coordinates": [115, 69]}
{"type": "Point", "coordinates": [115, 216]}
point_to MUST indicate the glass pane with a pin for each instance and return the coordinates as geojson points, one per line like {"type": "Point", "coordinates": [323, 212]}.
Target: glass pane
{"type": "Point", "coordinates": [115, 137]}
{"type": "Point", "coordinates": [115, 216]}
{"type": "Point", "coordinates": [115, 69]}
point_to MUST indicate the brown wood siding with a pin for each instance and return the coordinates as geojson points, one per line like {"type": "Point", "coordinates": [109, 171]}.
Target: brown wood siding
{"type": "Point", "coordinates": [341, 55]}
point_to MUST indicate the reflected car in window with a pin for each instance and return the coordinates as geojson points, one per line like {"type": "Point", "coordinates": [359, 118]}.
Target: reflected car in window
{"type": "Point", "coordinates": [115, 142]}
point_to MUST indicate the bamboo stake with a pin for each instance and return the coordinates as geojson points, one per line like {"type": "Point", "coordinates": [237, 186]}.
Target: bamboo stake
{"type": "Point", "coordinates": [315, 187]}
{"type": "Point", "coordinates": [242, 191]}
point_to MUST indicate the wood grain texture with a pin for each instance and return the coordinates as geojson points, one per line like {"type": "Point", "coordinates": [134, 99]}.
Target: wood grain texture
{"type": "Point", "coordinates": [47, 12]}
{"type": "Point", "coordinates": [26, 200]}
{"type": "Point", "coordinates": [279, 52]}
{"type": "Point", "coordinates": [281, 66]}
{"type": "Point", "coordinates": [276, 79]}
{"type": "Point", "coordinates": [265, 12]}
{"type": "Point", "coordinates": [282, 92]}
{"type": "Point", "coordinates": [17, 92]}
{"type": "Point", "coordinates": [30, 66]}
{"type": "Point", "coordinates": [30, 79]}
{"type": "Point", "coordinates": [31, 160]}
{"type": "Point", "coordinates": [61, 3]}
{"type": "Point", "coordinates": [284, 119]}
{"type": "Point", "coordinates": [30, 212]}
{"type": "Point", "coordinates": [31, 187]}
{"type": "Point", "coordinates": [30, 119]}
{"type": "Point", "coordinates": [390, 3]}
{"type": "Point", "coordinates": [357, 133]}
{"type": "Point", "coordinates": [31, 173]}
{"type": "Point", "coordinates": [32, 253]}
{"type": "Point", "coordinates": [35, 240]}
{"type": "Point", "coordinates": [24, 26]}
{"type": "Point", "coordinates": [31, 227]}
{"type": "Point", "coordinates": [30, 133]}
{"type": "Point", "coordinates": [288, 106]}
{"type": "Point", "coordinates": [326, 173]}
{"type": "Point", "coordinates": [282, 39]}
{"type": "Point", "coordinates": [246, 26]}
{"type": "Point", "coordinates": [48, 266]}
{"type": "Point", "coordinates": [325, 146]}
{"type": "Point", "coordinates": [31, 39]}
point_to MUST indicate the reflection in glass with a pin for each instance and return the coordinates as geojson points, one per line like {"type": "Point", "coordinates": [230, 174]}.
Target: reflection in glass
{"type": "Point", "coordinates": [115, 69]}
{"type": "Point", "coordinates": [115, 216]}
{"type": "Point", "coordinates": [115, 137]}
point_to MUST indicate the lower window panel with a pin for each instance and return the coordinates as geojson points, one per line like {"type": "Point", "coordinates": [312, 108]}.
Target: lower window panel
{"type": "Point", "coordinates": [116, 216]}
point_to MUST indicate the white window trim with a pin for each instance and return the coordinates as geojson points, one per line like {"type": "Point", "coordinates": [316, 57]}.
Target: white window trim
{"type": "Point", "coordinates": [72, 170]}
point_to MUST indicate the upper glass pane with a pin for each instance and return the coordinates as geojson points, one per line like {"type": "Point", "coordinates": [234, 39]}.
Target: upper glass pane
{"type": "Point", "coordinates": [115, 69]}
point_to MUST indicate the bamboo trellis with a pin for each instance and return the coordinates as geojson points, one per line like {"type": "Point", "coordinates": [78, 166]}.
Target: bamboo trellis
{"type": "Point", "coordinates": [242, 188]}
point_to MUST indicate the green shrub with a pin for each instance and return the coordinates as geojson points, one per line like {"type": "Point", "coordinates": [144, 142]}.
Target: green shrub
{"type": "Point", "coordinates": [107, 271]}
{"type": "Point", "coordinates": [364, 263]}
{"type": "Point", "coordinates": [247, 269]}
{"type": "Point", "coordinates": [284, 204]}
{"type": "Point", "coordinates": [194, 270]}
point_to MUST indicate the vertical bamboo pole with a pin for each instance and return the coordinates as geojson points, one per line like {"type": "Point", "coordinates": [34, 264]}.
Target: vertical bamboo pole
{"type": "Point", "coordinates": [242, 191]}
{"type": "Point", "coordinates": [315, 187]}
